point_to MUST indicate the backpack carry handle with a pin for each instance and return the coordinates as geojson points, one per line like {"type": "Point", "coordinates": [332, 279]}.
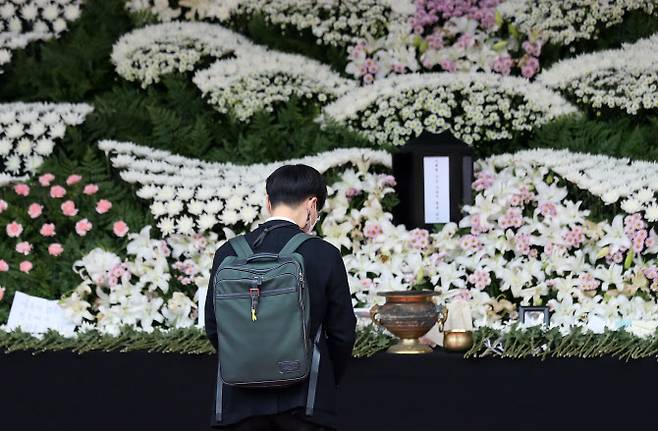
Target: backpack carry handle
{"type": "Point", "coordinates": [295, 242]}
{"type": "Point", "coordinates": [262, 256]}
{"type": "Point", "coordinates": [241, 246]}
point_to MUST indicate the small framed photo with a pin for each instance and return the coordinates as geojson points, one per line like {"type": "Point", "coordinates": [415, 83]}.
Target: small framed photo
{"type": "Point", "coordinates": [533, 316]}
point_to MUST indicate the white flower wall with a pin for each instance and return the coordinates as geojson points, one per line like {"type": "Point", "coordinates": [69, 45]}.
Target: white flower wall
{"type": "Point", "coordinates": [331, 22]}
{"type": "Point", "coordinates": [624, 79]}
{"type": "Point", "coordinates": [29, 131]}
{"type": "Point", "coordinates": [252, 83]}
{"type": "Point", "coordinates": [146, 54]}
{"type": "Point", "coordinates": [473, 106]}
{"type": "Point", "coordinates": [547, 227]}
{"type": "Point", "coordinates": [524, 241]}
{"type": "Point", "coordinates": [251, 79]}
{"type": "Point", "coordinates": [566, 21]}
{"type": "Point", "coordinates": [24, 21]}
{"type": "Point", "coordinates": [191, 196]}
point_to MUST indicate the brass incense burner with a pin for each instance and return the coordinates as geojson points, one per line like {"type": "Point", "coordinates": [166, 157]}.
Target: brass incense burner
{"type": "Point", "coordinates": [457, 340]}
{"type": "Point", "coordinates": [408, 315]}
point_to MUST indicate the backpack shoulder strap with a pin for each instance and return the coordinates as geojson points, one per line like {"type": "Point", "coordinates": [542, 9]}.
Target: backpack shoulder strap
{"type": "Point", "coordinates": [313, 379]}
{"type": "Point", "coordinates": [295, 242]}
{"type": "Point", "coordinates": [240, 245]}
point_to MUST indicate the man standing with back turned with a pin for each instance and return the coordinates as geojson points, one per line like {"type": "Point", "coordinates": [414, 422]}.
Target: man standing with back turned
{"type": "Point", "coordinates": [295, 194]}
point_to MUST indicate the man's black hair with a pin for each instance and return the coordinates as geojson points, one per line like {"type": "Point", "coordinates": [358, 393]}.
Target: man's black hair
{"type": "Point", "coordinates": [291, 184]}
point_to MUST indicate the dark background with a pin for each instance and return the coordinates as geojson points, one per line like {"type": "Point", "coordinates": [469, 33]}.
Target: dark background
{"type": "Point", "coordinates": [153, 391]}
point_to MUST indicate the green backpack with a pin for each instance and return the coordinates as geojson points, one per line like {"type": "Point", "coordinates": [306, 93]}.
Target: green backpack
{"type": "Point", "coordinates": [262, 310]}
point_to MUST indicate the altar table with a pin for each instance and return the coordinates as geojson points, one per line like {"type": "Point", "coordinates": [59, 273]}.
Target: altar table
{"type": "Point", "coordinates": [141, 391]}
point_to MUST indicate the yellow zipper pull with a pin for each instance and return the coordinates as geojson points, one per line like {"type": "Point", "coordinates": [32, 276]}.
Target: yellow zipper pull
{"type": "Point", "coordinates": [254, 293]}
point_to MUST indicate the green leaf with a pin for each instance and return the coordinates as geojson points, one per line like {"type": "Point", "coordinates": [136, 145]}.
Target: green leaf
{"type": "Point", "coordinates": [499, 18]}
{"type": "Point", "coordinates": [629, 258]}
{"type": "Point", "coordinates": [500, 45]}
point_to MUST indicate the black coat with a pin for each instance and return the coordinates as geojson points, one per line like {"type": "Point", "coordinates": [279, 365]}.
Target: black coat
{"type": "Point", "coordinates": [331, 304]}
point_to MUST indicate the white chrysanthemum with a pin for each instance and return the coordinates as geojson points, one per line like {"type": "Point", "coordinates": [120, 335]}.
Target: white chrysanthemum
{"type": "Point", "coordinates": [166, 226]}
{"type": "Point", "coordinates": [610, 197]}
{"type": "Point", "coordinates": [229, 217]}
{"type": "Point", "coordinates": [567, 21]}
{"type": "Point", "coordinates": [644, 195]}
{"type": "Point", "coordinates": [249, 214]}
{"type": "Point", "coordinates": [174, 207]}
{"type": "Point", "coordinates": [250, 83]}
{"type": "Point", "coordinates": [185, 225]}
{"type": "Point", "coordinates": [195, 207]}
{"type": "Point", "coordinates": [24, 147]}
{"type": "Point", "coordinates": [473, 106]}
{"type": "Point", "coordinates": [651, 213]}
{"type": "Point", "coordinates": [331, 22]}
{"type": "Point", "coordinates": [234, 202]}
{"type": "Point", "coordinates": [241, 191]}
{"type": "Point", "coordinates": [24, 21]}
{"type": "Point", "coordinates": [625, 78]}
{"type": "Point", "coordinates": [207, 221]}
{"type": "Point", "coordinates": [147, 192]}
{"type": "Point", "coordinates": [214, 206]}
{"type": "Point", "coordinates": [5, 147]}
{"type": "Point", "coordinates": [44, 146]}
{"type": "Point", "coordinates": [631, 206]}
{"type": "Point", "coordinates": [149, 52]}
{"type": "Point", "coordinates": [25, 129]}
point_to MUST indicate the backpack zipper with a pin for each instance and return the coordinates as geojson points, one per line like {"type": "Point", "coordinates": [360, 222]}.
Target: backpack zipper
{"type": "Point", "coordinates": [250, 278]}
{"type": "Point", "coordinates": [301, 303]}
{"type": "Point", "coordinates": [255, 271]}
{"type": "Point", "coordinates": [262, 293]}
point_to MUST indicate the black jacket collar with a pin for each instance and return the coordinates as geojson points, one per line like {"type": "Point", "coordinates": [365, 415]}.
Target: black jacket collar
{"type": "Point", "coordinates": [271, 223]}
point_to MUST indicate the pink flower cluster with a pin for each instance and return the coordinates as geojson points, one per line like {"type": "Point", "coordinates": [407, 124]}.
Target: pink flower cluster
{"type": "Point", "coordinates": [429, 12]}
{"type": "Point", "coordinates": [483, 180]}
{"type": "Point", "coordinates": [23, 266]}
{"type": "Point", "coordinates": [651, 273]}
{"type": "Point", "coordinates": [616, 257]}
{"type": "Point", "coordinates": [522, 243]}
{"type": "Point", "coordinates": [372, 230]}
{"type": "Point", "coordinates": [480, 279]}
{"type": "Point", "coordinates": [528, 63]}
{"type": "Point", "coordinates": [47, 229]}
{"type": "Point", "coordinates": [367, 67]}
{"type": "Point", "coordinates": [574, 237]}
{"type": "Point", "coordinates": [587, 282]}
{"type": "Point", "coordinates": [476, 225]}
{"type": "Point", "coordinates": [547, 209]}
{"type": "Point", "coordinates": [118, 273]}
{"type": "Point", "coordinates": [513, 217]}
{"type": "Point", "coordinates": [385, 180]}
{"type": "Point", "coordinates": [430, 22]}
{"type": "Point", "coordinates": [351, 192]}
{"type": "Point", "coordinates": [420, 239]}
{"type": "Point", "coordinates": [524, 196]}
{"type": "Point", "coordinates": [636, 229]}
{"type": "Point", "coordinates": [187, 267]}
{"type": "Point", "coordinates": [470, 243]}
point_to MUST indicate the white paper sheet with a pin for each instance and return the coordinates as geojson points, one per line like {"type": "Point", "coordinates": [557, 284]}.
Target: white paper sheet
{"type": "Point", "coordinates": [436, 176]}
{"type": "Point", "coordinates": [36, 315]}
{"type": "Point", "coordinates": [203, 291]}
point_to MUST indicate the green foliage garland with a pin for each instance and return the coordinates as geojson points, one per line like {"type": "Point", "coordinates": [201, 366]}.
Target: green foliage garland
{"type": "Point", "coordinates": [530, 343]}
{"type": "Point", "coordinates": [536, 342]}
{"type": "Point", "coordinates": [191, 340]}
